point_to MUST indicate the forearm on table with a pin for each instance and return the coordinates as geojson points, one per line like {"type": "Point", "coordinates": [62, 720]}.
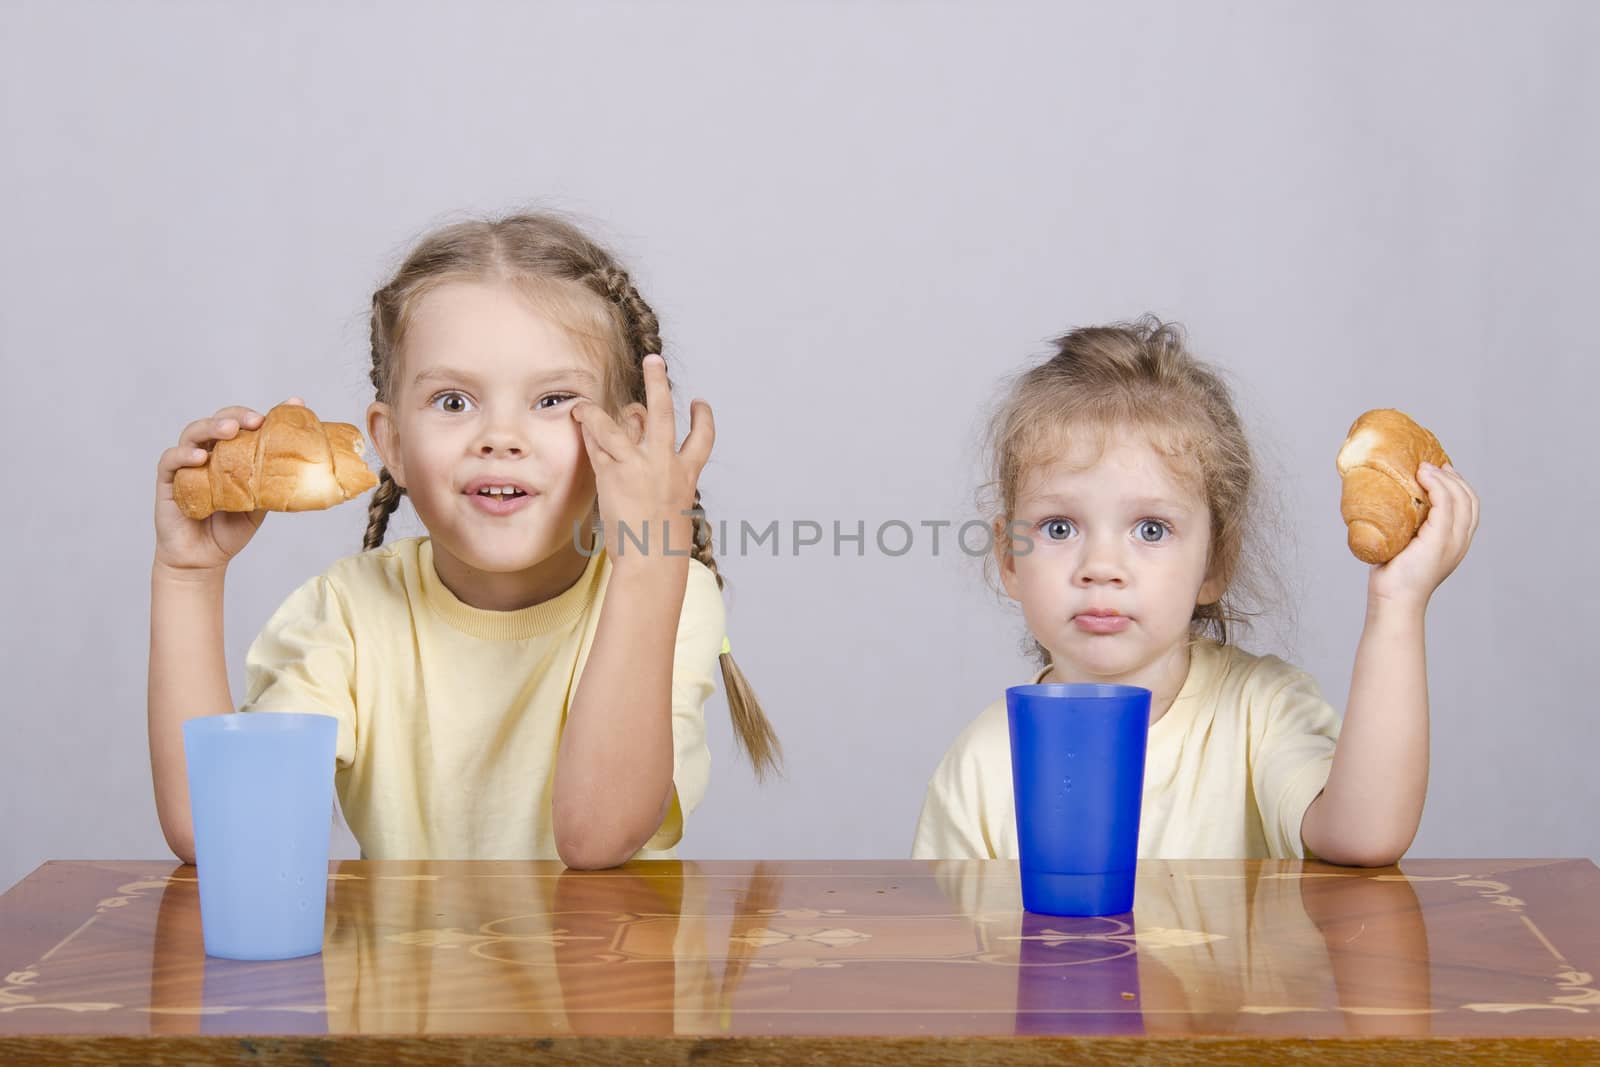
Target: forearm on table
{"type": "Point", "coordinates": [1368, 813]}
{"type": "Point", "coordinates": [188, 678]}
{"type": "Point", "coordinates": [613, 779]}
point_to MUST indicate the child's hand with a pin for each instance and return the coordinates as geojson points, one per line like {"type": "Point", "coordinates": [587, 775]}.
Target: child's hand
{"type": "Point", "coordinates": [643, 478]}
{"type": "Point", "coordinates": [1441, 543]}
{"type": "Point", "coordinates": [189, 544]}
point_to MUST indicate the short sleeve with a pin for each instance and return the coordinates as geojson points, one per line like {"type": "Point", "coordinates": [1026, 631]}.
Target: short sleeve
{"type": "Point", "coordinates": [702, 627]}
{"type": "Point", "coordinates": [1289, 765]}
{"type": "Point", "coordinates": [968, 797]}
{"type": "Point", "coordinates": [303, 660]}
{"type": "Point", "coordinates": [944, 832]}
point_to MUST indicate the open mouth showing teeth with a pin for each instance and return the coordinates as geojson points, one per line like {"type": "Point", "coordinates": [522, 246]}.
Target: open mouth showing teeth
{"type": "Point", "coordinates": [499, 492]}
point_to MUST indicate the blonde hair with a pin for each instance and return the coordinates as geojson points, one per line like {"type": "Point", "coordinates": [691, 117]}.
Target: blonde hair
{"type": "Point", "coordinates": [586, 291]}
{"type": "Point", "coordinates": [1141, 376]}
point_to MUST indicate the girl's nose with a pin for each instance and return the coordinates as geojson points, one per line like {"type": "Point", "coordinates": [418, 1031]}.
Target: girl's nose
{"type": "Point", "coordinates": [501, 441]}
{"type": "Point", "coordinates": [1099, 565]}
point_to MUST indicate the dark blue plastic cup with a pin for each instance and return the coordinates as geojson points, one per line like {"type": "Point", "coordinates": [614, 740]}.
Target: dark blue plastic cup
{"type": "Point", "coordinates": [1077, 772]}
{"type": "Point", "coordinates": [261, 801]}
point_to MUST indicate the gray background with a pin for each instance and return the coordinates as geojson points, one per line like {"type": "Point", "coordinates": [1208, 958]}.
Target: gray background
{"type": "Point", "coordinates": [855, 220]}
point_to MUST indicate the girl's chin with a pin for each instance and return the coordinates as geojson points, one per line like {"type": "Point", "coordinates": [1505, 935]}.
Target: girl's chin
{"type": "Point", "coordinates": [515, 555]}
{"type": "Point", "coordinates": [1076, 664]}
{"type": "Point", "coordinates": [1107, 670]}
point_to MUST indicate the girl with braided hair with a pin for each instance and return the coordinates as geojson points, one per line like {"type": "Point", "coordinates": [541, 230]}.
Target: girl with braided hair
{"type": "Point", "coordinates": [528, 679]}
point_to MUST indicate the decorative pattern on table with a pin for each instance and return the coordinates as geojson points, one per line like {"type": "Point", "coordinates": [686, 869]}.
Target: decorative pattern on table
{"type": "Point", "coordinates": [1577, 987]}
{"type": "Point", "coordinates": [802, 938]}
{"type": "Point", "coordinates": [1577, 993]}
{"type": "Point", "coordinates": [17, 993]}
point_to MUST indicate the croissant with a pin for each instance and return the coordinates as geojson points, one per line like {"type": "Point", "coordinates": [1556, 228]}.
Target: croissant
{"type": "Point", "coordinates": [1382, 503]}
{"type": "Point", "coordinates": [293, 461]}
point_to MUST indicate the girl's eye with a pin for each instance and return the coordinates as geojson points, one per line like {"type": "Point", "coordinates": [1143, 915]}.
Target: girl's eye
{"type": "Point", "coordinates": [451, 402]}
{"type": "Point", "coordinates": [1151, 531]}
{"type": "Point", "coordinates": [554, 399]}
{"type": "Point", "coordinates": [1056, 529]}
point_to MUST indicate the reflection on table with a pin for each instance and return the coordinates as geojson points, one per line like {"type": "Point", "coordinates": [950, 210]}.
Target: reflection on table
{"type": "Point", "coordinates": [1269, 951]}
{"type": "Point", "coordinates": [1215, 951]}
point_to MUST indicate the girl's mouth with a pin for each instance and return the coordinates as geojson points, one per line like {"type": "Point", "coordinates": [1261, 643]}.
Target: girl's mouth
{"type": "Point", "coordinates": [500, 501]}
{"type": "Point", "coordinates": [1101, 624]}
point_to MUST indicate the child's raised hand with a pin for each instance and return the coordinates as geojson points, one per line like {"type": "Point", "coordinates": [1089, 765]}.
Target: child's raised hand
{"type": "Point", "coordinates": [642, 477]}
{"type": "Point", "coordinates": [1439, 546]}
{"type": "Point", "coordinates": [189, 544]}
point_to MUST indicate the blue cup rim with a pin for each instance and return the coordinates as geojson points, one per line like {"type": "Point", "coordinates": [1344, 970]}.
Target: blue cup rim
{"type": "Point", "coordinates": [273, 721]}
{"type": "Point", "coordinates": [1079, 691]}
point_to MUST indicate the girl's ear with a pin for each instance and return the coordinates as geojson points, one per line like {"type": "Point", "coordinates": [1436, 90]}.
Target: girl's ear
{"type": "Point", "coordinates": [1211, 589]}
{"type": "Point", "coordinates": [384, 437]}
{"type": "Point", "coordinates": [1005, 558]}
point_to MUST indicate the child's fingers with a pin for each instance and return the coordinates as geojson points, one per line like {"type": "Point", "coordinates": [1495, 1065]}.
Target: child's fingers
{"type": "Point", "coordinates": [1441, 498]}
{"type": "Point", "coordinates": [660, 427]}
{"type": "Point", "coordinates": [240, 415]}
{"type": "Point", "coordinates": [1452, 510]}
{"type": "Point", "coordinates": [635, 418]}
{"type": "Point", "coordinates": [1437, 481]}
{"type": "Point", "coordinates": [1466, 511]}
{"type": "Point", "coordinates": [598, 456]}
{"type": "Point", "coordinates": [702, 434]}
{"type": "Point", "coordinates": [590, 449]}
{"type": "Point", "coordinates": [601, 432]}
{"type": "Point", "coordinates": [1469, 497]}
{"type": "Point", "coordinates": [225, 424]}
{"type": "Point", "coordinates": [176, 458]}
{"type": "Point", "coordinates": [1451, 485]}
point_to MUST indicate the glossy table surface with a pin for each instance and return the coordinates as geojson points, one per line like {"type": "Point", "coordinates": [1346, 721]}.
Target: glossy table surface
{"type": "Point", "coordinates": [849, 961]}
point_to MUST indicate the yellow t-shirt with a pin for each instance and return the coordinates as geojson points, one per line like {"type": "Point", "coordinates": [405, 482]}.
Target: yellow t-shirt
{"type": "Point", "coordinates": [450, 715]}
{"type": "Point", "coordinates": [1229, 769]}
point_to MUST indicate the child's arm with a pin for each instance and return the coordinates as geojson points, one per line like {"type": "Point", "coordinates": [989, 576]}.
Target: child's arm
{"type": "Point", "coordinates": [1368, 813]}
{"type": "Point", "coordinates": [188, 670]}
{"type": "Point", "coordinates": [613, 782]}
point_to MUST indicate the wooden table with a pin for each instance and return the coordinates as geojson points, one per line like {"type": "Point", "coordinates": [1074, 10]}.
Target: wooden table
{"type": "Point", "coordinates": [868, 962]}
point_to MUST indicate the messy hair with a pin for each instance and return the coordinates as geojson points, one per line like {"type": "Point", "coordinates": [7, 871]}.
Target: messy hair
{"type": "Point", "coordinates": [1137, 376]}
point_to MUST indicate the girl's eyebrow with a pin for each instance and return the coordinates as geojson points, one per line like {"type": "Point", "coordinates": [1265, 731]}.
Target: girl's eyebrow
{"type": "Point", "coordinates": [1144, 503]}
{"type": "Point", "coordinates": [1159, 503]}
{"type": "Point", "coordinates": [447, 374]}
{"type": "Point", "coordinates": [579, 375]}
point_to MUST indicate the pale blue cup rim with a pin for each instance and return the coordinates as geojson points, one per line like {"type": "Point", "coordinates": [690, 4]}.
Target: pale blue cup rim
{"type": "Point", "coordinates": [1079, 691]}
{"type": "Point", "coordinates": [276, 721]}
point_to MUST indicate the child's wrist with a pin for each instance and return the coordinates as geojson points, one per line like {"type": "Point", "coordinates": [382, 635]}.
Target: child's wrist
{"type": "Point", "coordinates": [657, 539]}
{"type": "Point", "coordinates": [1401, 607]}
{"type": "Point", "coordinates": [668, 569]}
{"type": "Point", "coordinates": [165, 573]}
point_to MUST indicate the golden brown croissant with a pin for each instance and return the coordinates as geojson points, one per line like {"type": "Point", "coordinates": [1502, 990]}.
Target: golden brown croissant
{"type": "Point", "coordinates": [1382, 502]}
{"type": "Point", "coordinates": [293, 461]}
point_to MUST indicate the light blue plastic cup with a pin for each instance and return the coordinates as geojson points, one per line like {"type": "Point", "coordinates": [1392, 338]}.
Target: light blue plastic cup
{"type": "Point", "coordinates": [1077, 769]}
{"type": "Point", "coordinates": [261, 801]}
